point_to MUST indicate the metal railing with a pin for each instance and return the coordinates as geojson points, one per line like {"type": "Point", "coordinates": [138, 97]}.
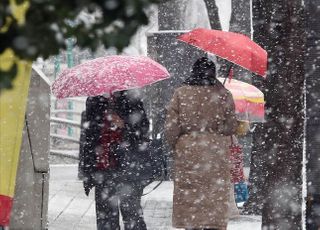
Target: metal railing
{"type": "Point", "coordinates": [65, 138]}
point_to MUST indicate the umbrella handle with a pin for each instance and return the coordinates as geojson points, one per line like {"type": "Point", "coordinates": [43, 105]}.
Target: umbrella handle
{"type": "Point", "coordinates": [228, 72]}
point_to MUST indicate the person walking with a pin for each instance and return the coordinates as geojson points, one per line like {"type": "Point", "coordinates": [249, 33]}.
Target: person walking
{"type": "Point", "coordinates": [108, 128]}
{"type": "Point", "coordinates": [200, 120]}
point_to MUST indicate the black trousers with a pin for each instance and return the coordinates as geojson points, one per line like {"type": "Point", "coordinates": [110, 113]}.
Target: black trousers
{"type": "Point", "coordinates": [112, 196]}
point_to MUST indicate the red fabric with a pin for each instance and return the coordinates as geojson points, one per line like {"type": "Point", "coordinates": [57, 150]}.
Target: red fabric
{"type": "Point", "coordinates": [234, 47]}
{"type": "Point", "coordinates": [5, 210]}
{"type": "Point", "coordinates": [236, 158]}
{"type": "Point", "coordinates": [106, 159]}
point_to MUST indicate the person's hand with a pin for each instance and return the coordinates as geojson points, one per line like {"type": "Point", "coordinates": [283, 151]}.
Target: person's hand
{"type": "Point", "coordinates": [88, 183]}
{"type": "Point", "coordinates": [243, 127]}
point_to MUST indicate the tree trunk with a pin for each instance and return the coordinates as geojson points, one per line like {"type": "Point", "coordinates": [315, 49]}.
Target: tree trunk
{"type": "Point", "coordinates": [258, 171]}
{"type": "Point", "coordinates": [213, 14]}
{"type": "Point", "coordinates": [312, 65]}
{"type": "Point", "coordinates": [278, 27]}
{"type": "Point", "coordinates": [240, 22]}
{"type": "Point", "coordinates": [241, 17]}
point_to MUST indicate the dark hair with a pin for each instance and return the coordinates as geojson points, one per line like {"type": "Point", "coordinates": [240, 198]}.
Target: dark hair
{"type": "Point", "coordinates": [203, 73]}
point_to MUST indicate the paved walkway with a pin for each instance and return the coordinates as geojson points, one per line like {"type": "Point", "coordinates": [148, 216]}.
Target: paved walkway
{"type": "Point", "coordinates": [69, 208]}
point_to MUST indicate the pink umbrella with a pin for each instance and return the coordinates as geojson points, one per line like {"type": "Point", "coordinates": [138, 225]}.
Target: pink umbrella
{"type": "Point", "coordinates": [248, 99]}
{"type": "Point", "coordinates": [107, 75]}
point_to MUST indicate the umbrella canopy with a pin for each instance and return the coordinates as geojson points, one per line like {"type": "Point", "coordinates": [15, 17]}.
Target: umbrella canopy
{"type": "Point", "coordinates": [249, 100]}
{"type": "Point", "coordinates": [107, 75]}
{"type": "Point", "coordinates": [234, 47]}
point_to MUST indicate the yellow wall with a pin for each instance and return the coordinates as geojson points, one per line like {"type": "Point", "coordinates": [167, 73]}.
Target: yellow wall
{"type": "Point", "coordinates": [12, 112]}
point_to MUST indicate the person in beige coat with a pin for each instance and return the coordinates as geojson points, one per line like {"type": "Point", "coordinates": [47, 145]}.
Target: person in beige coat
{"type": "Point", "coordinates": [200, 120]}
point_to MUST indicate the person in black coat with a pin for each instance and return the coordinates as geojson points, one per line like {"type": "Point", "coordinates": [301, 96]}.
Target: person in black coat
{"type": "Point", "coordinates": [129, 107]}
{"type": "Point", "coordinates": [119, 187]}
{"type": "Point", "coordinates": [91, 123]}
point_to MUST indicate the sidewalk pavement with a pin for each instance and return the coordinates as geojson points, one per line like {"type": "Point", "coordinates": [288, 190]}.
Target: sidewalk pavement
{"type": "Point", "coordinates": [69, 208]}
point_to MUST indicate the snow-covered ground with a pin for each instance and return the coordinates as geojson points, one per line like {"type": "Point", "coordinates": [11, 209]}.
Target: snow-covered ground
{"type": "Point", "coordinates": [70, 209]}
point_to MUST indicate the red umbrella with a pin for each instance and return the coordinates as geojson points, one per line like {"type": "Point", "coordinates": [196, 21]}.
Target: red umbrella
{"type": "Point", "coordinates": [234, 47]}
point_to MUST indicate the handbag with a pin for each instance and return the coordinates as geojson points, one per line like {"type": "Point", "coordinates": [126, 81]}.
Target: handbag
{"type": "Point", "coordinates": [236, 158]}
{"type": "Point", "coordinates": [241, 192]}
{"type": "Point", "coordinates": [142, 162]}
